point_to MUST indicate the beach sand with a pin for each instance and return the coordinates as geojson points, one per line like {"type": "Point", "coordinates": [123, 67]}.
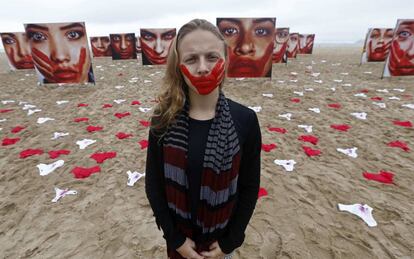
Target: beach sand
{"type": "Point", "coordinates": [298, 218]}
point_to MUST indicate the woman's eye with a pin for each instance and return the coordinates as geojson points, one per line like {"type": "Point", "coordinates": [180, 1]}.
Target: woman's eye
{"type": "Point", "coordinates": [213, 58]}
{"type": "Point", "coordinates": [9, 41]}
{"type": "Point", "coordinates": [230, 31]}
{"type": "Point", "coordinates": [74, 35]}
{"type": "Point", "coordinates": [190, 60]}
{"type": "Point", "coordinates": [261, 32]}
{"type": "Point", "coordinates": [169, 36]}
{"type": "Point", "coordinates": [37, 36]}
{"type": "Point", "coordinates": [148, 37]}
{"type": "Point", "coordinates": [404, 34]}
{"type": "Point", "coordinates": [130, 38]}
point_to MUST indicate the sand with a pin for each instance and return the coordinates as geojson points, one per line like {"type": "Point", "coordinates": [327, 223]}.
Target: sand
{"type": "Point", "coordinates": [298, 218]}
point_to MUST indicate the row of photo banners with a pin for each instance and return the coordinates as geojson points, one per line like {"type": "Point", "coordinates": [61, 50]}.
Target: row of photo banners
{"type": "Point", "coordinates": [60, 52]}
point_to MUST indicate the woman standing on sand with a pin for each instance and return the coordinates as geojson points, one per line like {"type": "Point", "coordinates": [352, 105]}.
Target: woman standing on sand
{"type": "Point", "coordinates": [203, 158]}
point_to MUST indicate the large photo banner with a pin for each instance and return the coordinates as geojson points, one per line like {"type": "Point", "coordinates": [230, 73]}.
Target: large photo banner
{"type": "Point", "coordinates": [250, 44]}
{"type": "Point", "coordinates": [400, 60]}
{"type": "Point", "coordinates": [123, 46]}
{"type": "Point", "coordinates": [101, 46]}
{"type": "Point", "coordinates": [60, 52]}
{"type": "Point", "coordinates": [281, 44]}
{"type": "Point", "coordinates": [16, 46]}
{"type": "Point", "coordinates": [377, 44]}
{"type": "Point", "coordinates": [155, 45]}
{"type": "Point", "coordinates": [293, 45]}
{"type": "Point", "coordinates": [306, 43]}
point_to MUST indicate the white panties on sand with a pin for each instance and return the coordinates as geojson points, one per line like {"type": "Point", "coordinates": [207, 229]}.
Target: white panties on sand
{"type": "Point", "coordinates": [45, 169]}
{"type": "Point", "coordinates": [362, 211]}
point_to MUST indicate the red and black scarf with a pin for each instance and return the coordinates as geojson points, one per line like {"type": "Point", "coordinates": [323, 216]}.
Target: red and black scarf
{"type": "Point", "coordinates": [219, 174]}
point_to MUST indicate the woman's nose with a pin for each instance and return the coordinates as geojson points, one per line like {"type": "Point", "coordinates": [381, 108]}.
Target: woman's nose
{"type": "Point", "coordinates": [124, 44]}
{"type": "Point", "coordinates": [158, 46]}
{"type": "Point", "coordinates": [59, 51]}
{"type": "Point", "coordinates": [202, 68]}
{"type": "Point", "coordinates": [245, 46]}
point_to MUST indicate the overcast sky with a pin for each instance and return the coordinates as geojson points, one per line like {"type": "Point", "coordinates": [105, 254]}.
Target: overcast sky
{"type": "Point", "coordinates": [331, 20]}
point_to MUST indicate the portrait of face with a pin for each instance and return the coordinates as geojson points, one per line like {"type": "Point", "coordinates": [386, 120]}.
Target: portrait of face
{"type": "Point", "coordinates": [138, 45]}
{"type": "Point", "coordinates": [123, 46]}
{"type": "Point", "coordinates": [60, 52]}
{"type": "Point", "coordinates": [306, 43]}
{"type": "Point", "coordinates": [155, 44]}
{"type": "Point", "coordinates": [280, 47]}
{"type": "Point", "coordinates": [101, 46]}
{"type": "Point", "coordinates": [293, 45]}
{"type": "Point", "coordinates": [401, 57]}
{"type": "Point", "coordinates": [17, 50]}
{"type": "Point", "coordinates": [378, 44]}
{"type": "Point", "coordinates": [202, 61]}
{"type": "Point", "coordinates": [250, 44]}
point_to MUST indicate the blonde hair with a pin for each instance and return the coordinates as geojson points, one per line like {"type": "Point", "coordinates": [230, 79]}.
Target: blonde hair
{"type": "Point", "coordinates": [172, 98]}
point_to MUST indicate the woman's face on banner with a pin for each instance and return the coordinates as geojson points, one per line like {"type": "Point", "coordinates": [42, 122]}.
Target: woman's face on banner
{"type": "Point", "coordinates": [281, 39]}
{"type": "Point", "coordinates": [293, 44]}
{"type": "Point", "coordinates": [250, 45]}
{"type": "Point", "coordinates": [17, 49]}
{"type": "Point", "coordinates": [155, 44]}
{"type": "Point", "coordinates": [60, 51]}
{"type": "Point", "coordinates": [101, 46]}
{"type": "Point", "coordinates": [306, 43]}
{"type": "Point", "coordinates": [402, 50]}
{"type": "Point", "coordinates": [123, 45]}
{"type": "Point", "coordinates": [378, 43]}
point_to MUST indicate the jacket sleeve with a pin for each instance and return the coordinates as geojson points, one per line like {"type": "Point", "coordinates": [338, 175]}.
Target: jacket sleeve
{"type": "Point", "coordinates": [155, 191]}
{"type": "Point", "coordinates": [248, 188]}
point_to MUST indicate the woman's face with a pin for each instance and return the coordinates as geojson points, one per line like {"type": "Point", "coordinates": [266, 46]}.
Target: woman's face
{"type": "Point", "coordinates": [250, 45]}
{"type": "Point", "coordinates": [101, 46]}
{"type": "Point", "coordinates": [155, 44]}
{"type": "Point", "coordinates": [60, 51]}
{"type": "Point", "coordinates": [379, 42]}
{"type": "Point", "coordinates": [281, 39]}
{"type": "Point", "coordinates": [306, 43]}
{"type": "Point", "coordinates": [17, 49]}
{"type": "Point", "coordinates": [202, 61]}
{"type": "Point", "coordinates": [401, 61]}
{"type": "Point", "coordinates": [123, 46]}
{"type": "Point", "coordinates": [293, 45]}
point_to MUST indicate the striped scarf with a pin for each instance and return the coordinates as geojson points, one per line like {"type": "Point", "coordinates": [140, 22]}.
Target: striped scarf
{"type": "Point", "coordinates": [219, 174]}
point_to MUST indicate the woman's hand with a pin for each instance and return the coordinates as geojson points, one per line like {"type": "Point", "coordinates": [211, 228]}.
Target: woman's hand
{"type": "Point", "coordinates": [215, 252]}
{"type": "Point", "coordinates": [187, 250]}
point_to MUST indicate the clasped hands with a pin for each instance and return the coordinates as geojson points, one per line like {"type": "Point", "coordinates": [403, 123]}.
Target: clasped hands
{"type": "Point", "coordinates": [187, 250]}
